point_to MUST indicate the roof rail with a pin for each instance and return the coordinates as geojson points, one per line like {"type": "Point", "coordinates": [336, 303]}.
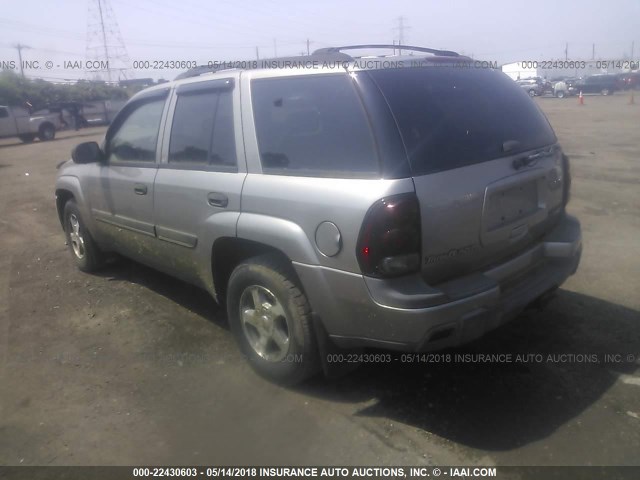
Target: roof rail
{"type": "Point", "coordinates": [439, 53]}
{"type": "Point", "coordinates": [265, 63]}
{"type": "Point", "coordinates": [329, 53]}
{"type": "Point", "coordinates": [196, 71]}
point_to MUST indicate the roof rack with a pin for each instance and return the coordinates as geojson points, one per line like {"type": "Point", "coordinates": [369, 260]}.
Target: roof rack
{"type": "Point", "coordinates": [196, 71]}
{"type": "Point", "coordinates": [318, 55]}
{"type": "Point", "coordinates": [439, 53]}
{"type": "Point", "coordinates": [328, 54]}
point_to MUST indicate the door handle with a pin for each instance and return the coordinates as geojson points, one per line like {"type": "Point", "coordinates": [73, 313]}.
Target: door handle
{"type": "Point", "coordinates": [140, 189]}
{"type": "Point", "coordinates": [216, 199]}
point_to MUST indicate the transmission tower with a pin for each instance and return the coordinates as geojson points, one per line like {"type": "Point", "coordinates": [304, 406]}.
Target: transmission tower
{"type": "Point", "coordinates": [401, 28]}
{"type": "Point", "coordinates": [105, 47]}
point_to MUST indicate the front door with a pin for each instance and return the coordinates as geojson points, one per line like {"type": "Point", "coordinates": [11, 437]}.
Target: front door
{"type": "Point", "coordinates": [121, 191]}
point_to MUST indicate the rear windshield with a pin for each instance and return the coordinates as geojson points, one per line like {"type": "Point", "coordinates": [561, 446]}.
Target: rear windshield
{"type": "Point", "coordinates": [452, 117]}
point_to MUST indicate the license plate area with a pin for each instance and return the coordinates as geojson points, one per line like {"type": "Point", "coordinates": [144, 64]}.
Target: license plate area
{"type": "Point", "coordinates": [512, 206]}
{"type": "Point", "coordinates": [509, 205]}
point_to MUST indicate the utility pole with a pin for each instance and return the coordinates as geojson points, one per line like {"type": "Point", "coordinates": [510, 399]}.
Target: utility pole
{"type": "Point", "coordinates": [257, 54]}
{"type": "Point", "coordinates": [308, 52]}
{"type": "Point", "coordinates": [566, 51]}
{"type": "Point", "coordinates": [20, 47]}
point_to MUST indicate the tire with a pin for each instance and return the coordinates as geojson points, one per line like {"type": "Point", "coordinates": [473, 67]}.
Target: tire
{"type": "Point", "coordinates": [27, 137]}
{"type": "Point", "coordinates": [84, 250]}
{"type": "Point", "coordinates": [560, 94]}
{"type": "Point", "coordinates": [532, 93]}
{"type": "Point", "coordinates": [277, 337]}
{"type": "Point", "coordinates": [605, 91]}
{"type": "Point", "coordinates": [47, 132]}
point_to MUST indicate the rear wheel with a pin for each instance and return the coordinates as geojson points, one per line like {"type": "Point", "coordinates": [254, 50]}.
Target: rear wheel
{"type": "Point", "coordinates": [532, 93]}
{"type": "Point", "coordinates": [270, 318]}
{"type": "Point", "coordinates": [605, 91]}
{"type": "Point", "coordinates": [84, 250]}
{"type": "Point", "coordinates": [47, 132]}
{"type": "Point", "coordinates": [560, 94]}
{"type": "Point", "coordinates": [27, 137]}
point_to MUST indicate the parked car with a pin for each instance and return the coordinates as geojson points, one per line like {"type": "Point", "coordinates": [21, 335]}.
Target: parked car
{"type": "Point", "coordinates": [17, 122]}
{"type": "Point", "coordinates": [603, 84]}
{"type": "Point", "coordinates": [564, 88]}
{"type": "Point", "coordinates": [531, 86]}
{"type": "Point", "coordinates": [330, 209]}
{"type": "Point", "coordinates": [629, 80]}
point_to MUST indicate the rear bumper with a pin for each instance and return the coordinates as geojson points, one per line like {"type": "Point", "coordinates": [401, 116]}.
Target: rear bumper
{"type": "Point", "coordinates": [409, 315]}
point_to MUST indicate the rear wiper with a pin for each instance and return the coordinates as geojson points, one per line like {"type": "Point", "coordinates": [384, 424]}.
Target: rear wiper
{"type": "Point", "coordinates": [518, 163]}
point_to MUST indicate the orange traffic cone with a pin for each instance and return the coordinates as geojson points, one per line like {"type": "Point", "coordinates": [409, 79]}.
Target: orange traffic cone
{"type": "Point", "coordinates": [632, 100]}
{"type": "Point", "coordinates": [580, 99]}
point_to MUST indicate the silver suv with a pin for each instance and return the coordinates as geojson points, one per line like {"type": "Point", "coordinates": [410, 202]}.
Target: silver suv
{"type": "Point", "coordinates": [355, 204]}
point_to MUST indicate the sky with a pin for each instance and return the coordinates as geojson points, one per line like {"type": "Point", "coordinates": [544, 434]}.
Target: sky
{"type": "Point", "coordinates": [225, 30]}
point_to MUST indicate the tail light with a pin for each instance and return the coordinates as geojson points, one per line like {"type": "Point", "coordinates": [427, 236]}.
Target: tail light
{"type": "Point", "coordinates": [389, 243]}
{"type": "Point", "coordinates": [566, 175]}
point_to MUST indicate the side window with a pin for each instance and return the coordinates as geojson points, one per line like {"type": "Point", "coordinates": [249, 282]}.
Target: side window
{"type": "Point", "coordinates": [4, 113]}
{"type": "Point", "coordinates": [313, 126]}
{"type": "Point", "coordinates": [137, 137]}
{"type": "Point", "coordinates": [202, 130]}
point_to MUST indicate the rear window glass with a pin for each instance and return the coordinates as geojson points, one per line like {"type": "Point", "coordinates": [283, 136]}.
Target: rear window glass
{"type": "Point", "coordinates": [452, 117]}
{"type": "Point", "coordinates": [312, 126]}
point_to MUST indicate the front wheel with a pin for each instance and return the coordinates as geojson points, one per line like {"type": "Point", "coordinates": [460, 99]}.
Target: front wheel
{"type": "Point", "coordinates": [270, 318]}
{"type": "Point", "coordinates": [606, 91]}
{"type": "Point", "coordinates": [560, 94]}
{"type": "Point", "coordinates": [532, 93]}
{"type": "Point", "coordinates": [84, 250]}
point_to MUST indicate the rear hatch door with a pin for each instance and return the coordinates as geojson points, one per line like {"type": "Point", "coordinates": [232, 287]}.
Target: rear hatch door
{"type": "Point", "coordinates": [485, 163]}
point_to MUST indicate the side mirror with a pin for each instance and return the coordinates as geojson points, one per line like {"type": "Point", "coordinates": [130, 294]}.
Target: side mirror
{"type": "Point", "coordinates": [87, 152]}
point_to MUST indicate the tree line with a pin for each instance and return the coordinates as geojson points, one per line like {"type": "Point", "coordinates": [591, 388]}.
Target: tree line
{"type": "Point", "coordinates": [18, 91]}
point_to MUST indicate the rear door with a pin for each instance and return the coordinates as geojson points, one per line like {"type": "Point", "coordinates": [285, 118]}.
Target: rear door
{"type": "Point", "coordinates": [199, 182]}
{"type": "Point", "coordinates": [486, 167]}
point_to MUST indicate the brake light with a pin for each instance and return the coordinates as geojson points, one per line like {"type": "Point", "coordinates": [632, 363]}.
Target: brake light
{"type": "Point", "coordinates": [566, 176]}
{"type": "Point", "coordinates": [389, 243]}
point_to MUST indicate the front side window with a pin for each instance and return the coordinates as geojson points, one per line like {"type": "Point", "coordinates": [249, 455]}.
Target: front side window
{"type": "Point", "coordinates": [3, 112]}
{"type": "Point", "coordinates": [202, 130]}
{"type": "Point", "coordinates": [313, 126]}
{"type": "Point", "coordinates": [137, 137]}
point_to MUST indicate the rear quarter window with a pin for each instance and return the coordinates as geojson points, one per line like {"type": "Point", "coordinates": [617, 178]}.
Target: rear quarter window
{"type": "Point", "coordinates": [452, 117]}
{"type": "Point", "coordinates": [313, 125]}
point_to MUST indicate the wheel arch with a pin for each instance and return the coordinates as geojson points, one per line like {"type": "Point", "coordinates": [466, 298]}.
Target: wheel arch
{"type": "Point", "coordinates": [256, 235]}
{"type": "Point", "coordinates": [45, 124]}
{"type": "Point", "coordinates": [68, 188]}
{"type": "Point", "coordinates": [229, 252]}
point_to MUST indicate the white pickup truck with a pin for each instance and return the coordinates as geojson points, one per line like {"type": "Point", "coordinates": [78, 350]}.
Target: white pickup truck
{"type": "Point", "coordinates": [16, 122]}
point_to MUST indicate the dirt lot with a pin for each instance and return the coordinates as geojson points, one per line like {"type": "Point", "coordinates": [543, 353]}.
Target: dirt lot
{"type": "Point", "coordinates": [132, 367]}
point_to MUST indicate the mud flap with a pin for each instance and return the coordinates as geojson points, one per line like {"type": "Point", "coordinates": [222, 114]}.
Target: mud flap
{"type": "Point", "coordinates": [326, 348]}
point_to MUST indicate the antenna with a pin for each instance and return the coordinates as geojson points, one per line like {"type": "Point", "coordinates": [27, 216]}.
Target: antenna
{"type": "Point", "coordinates": [105, 46]}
